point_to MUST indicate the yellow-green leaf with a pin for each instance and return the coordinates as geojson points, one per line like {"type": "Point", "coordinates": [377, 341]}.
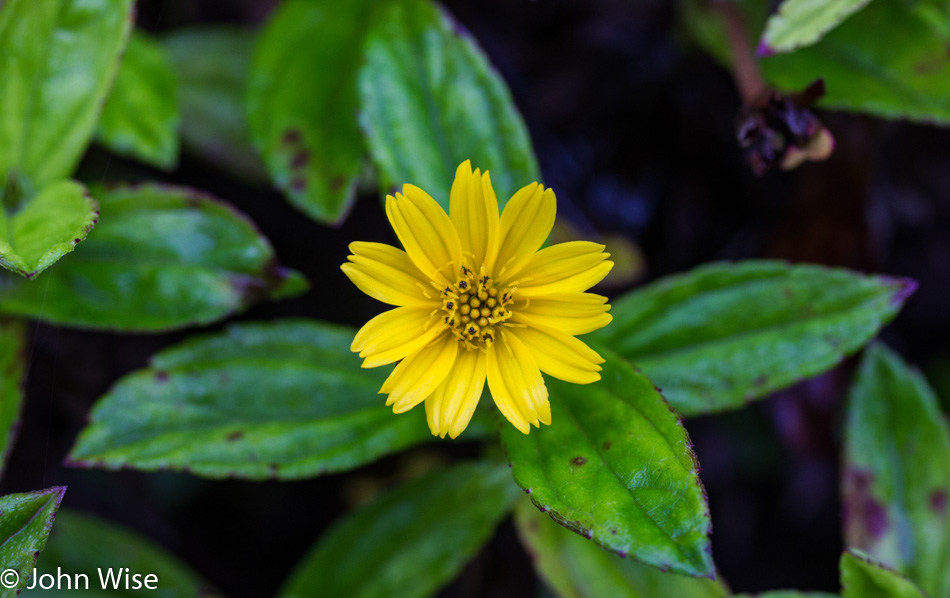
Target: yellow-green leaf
{"type": "Point", "coordinates": [40, 230]}
{"type": "Point", "coordinates": [800, 23]}
{"type": "Point", "coordinates": [141, 118]}
{"type": "Point", "coordinates": [57, 61]}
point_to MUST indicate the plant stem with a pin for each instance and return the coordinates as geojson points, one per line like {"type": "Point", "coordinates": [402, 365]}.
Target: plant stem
{"type": "Point", "coordinates": [745, 68]}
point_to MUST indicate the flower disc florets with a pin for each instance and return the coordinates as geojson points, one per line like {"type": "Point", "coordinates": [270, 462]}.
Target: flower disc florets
{"type": "Point", "coordinates": [473, 306]}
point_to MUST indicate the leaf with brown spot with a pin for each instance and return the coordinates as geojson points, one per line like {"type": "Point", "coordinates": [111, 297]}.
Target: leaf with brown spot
{"type": "Point", "coordinates": [897, 447]}
{"type": "Point", "coordinates": [642, 498]}
{"type": "Point", "coordinates": [302, 103]}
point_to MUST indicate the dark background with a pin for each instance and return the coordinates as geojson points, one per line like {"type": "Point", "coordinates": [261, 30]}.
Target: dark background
{"type": "Point", "coordinates": [634, 129]}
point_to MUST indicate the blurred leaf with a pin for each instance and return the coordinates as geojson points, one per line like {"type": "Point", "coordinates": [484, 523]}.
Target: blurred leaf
{"type": "Point", "coordinates": [302, 103]}
{"type": "Point", "coordinates": [211, 65]}
{"type": "Point", "coordinates": [724, 334]}
{"type": "Point", "coordinates": [861, 577]}
{"type": "Point", "coordinates": [787, 594]}
{"type": "Point", "coordinates": [617, 467]}
{"type": "Point", "coordinates": [411, 540]}
{"type": "Point", "coordinates": [430, 100]}
{"type": "Point", "coordinates": [803, 22]}
{"type": "Point", "coordinates": [141, 118]}
{"type": "Point", "coordinates": [887, 60]}
{"type": "Point", "coordinates": [57, 61]}
{"type": "Point", "coordinates": [283, 400]}
{"type": "Point", "coordinates": [83, 544]}
{"type": "Point", "coordinates": [44, 228]}
{"type": "Point", "coordinates": [12, 364]}
{"type": "Point", "coordinates": [576, 568]}
{"type": "Point", "coordinates": [897, 482]}
{"type": "Point", "coordinates": [162, 258]}
{"type": "Point", "coordinates": [25, 523]}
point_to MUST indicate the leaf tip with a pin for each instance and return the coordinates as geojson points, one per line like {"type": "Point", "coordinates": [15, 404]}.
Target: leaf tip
{"type": "Point", "coordinates": [764, 50]}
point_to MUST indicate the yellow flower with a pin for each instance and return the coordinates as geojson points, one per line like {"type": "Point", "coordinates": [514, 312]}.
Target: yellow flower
{"type": "Point", "coordinates": [477, 299]}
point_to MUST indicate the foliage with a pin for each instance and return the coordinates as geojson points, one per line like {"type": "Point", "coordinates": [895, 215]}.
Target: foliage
{"type": "Point", "coordinates": [332, 98]}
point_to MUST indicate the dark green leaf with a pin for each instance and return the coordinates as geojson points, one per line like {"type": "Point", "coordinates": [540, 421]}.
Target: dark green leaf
{"type": "Point", "coordinates": [430, 100]}
{"type": "Point", "coordinates": [803, 22]}
{"type": "Point", "coordinates": [82, 544]}
{"type": "Point", "coordinates": [409, 541]}
{"type": "Point", "coordinates": [57, 61]}
{"type": "Point", "coordinates": [724, 334]}
{"type": "Point", "coordinates": [897, 482]}
{"type": "Point", "coordinates": [861, 577]}
{"type": "Point", "coordinates": [44, 228]}
{"type": "Point", "coordinates": [211, 65]}
{"type": "Point", "coordinates": [25, 523]}
{"type": "Point", "coordinates": [162, 258]}
{"type": "Point", "coordinates": [616, 466]}
{"type": "Point", "coordinates": [284, 400]}
{"type": "Point", "coordinates": [12, 363]}
{"type": "Point", "coordinates": [573, 567]}
{"type": "Point", "coordinates": [787, 594]}
{"type": "Point", "coordinates": [141, 117]}
{"type": "Point", "coordinates": [302, 103]}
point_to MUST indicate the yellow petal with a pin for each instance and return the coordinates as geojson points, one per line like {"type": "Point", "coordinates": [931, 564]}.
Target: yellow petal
{"type": "Point", "coordinates": [418, 375]}
{"type": "Point", "coordinates": [525, 224]}
{"type": "Point", "coordinates": [516, 383]}
{"type": "Point", "coordinates": [426, 232]}
{"type": "Point", "coordinates": [388, 275]}
{"type": "Point", "coordinates": [463, 389]}
{"type": "Point", "coordinates": [394, 334]}
{"type": "Point", "coordinates": [562, 268]}
{"type": "Point", "coordinates": [473, 209]}
{"type": "Point", "coordinates": [561, 355]}
{"type": "Point", "coordinates": [392, 257]}
{"type": "Point", "coordinates": [571, 313]}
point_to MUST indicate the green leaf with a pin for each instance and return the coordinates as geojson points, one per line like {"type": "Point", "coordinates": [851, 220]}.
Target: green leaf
{"type": "Point", "coordinates": [430, 100]}
{"type": "Point", "coordinates": [141, 118]}
{"type": "Point", "coordinates": [39, 231]}
{"type": "Point", "coordinates": [162, 258]}
{"type": "Point", "coordinates": [897, 484]}
{"type": "Point", "coordinates": [861, 577]}
{"type": "Point", "coordinates": [411, 540]}
{"type": "Point", "coordinates": [25, 523]}
{"type": "Point", "coordinates": [617, 467]}
{"type": "Point", "coordinates": [787, 594]}
{"type": "Point", "coordinates": [82, 544]}
{"type": "Point", "coordinates": [801, 23]}
{"type": "Point", "coordinates": [576, 568]}
{"type": "Point", "coordinates": [888, 60]}
{"type": "Point", "coordinates": [211, 65]}
{"type": "Point", "coordinates": [57, 61]}
{"type": "Point", "coordinates": [284, 400]}
{"type": "Point", "coordinates": [302, 103]}
{"type": "Point", "coordinates": [724, 334]}
{"type": "Point", "coordinates": [12, 364]}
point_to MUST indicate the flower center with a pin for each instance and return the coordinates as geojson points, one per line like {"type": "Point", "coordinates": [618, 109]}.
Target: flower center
{"type": "Point", "coordinates": [473, 306]}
